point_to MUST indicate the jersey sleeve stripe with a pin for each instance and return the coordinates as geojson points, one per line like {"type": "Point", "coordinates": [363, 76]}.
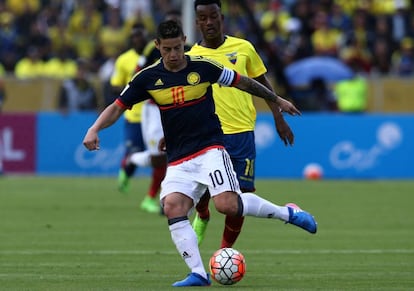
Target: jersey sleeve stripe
{"type": "Point", "coordinates": [122, 105]}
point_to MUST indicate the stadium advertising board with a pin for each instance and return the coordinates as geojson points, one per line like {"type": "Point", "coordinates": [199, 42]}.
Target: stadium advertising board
{"type": "Point", "coordinates": [61, 151]}
{"type": "Point", "coordinates": [371, 146]}
{"type": "Point", "coordinates": [344, 146]}
{"type": "Point", "coordinates": [17, 143]}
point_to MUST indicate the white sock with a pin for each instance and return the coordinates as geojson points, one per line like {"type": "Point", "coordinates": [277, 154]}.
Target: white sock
{"type": "Point", "coordinates": [142, 159]}
{"type": "Point", "coordinates": [254, 205]}
{"type": "Point", "coordinates": [185, 240]}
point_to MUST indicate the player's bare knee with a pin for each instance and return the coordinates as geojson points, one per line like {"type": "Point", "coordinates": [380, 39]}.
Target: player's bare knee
{"type": "Point", "coordinates": [176, 205]}
{"type": "Point", "coordinates": [227, 203]}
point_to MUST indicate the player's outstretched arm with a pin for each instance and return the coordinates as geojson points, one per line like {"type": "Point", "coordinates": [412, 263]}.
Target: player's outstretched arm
{"type": "Point", "coordinates": [104, 120]}
{"type": "Point", "coordinates": [255, 88]}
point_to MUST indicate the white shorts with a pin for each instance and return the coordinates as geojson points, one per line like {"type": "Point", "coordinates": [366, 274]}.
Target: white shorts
{"type": "Point", "coordinates": [211, 170]}
{"type": "Point", "coordinates": [151, 127]}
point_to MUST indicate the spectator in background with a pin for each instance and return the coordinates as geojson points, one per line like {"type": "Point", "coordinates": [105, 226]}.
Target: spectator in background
{"type": "Point", "coordinates": [39, 38]}
{"type": "Point", "coordinates": [403, 59]}
{"type": "Point", "coordinates": [277, 28]}
{"type": "Point", "coordinates": [26, 14]}
{"type": "Point", "coordinates": [325, 40]}
{"type": "Point", "coordinates": [19, 7]}
{"type": "Point", "coordinates": [31, 66]}
{"type": "Point", "coordinates": [361, 32]}
{"type": "Point", "coordinates": [338, 19]}
{"type": "Point", "coordinates": [78, 93]}
{"type": "Point", "coordinates": [381, 57]}
{"type": "Point", "coordinates": [352, 94]}
{"type": "Point", "coordinates": [2, 91]}
{"type": "Point", "coordinates": [382, 29]}
{"type": "Point", "coordinates": [400, 21]}
{"type": "Point", "coordinates": [113, 36]}
{"type": "Point", "coordinates": [59, 37]}
{"type": "Point", "coordinates": [356, 52]}
{"type": "Point", "coordinates": [236, 21]}
{"type": "Point", "coordinates": [9, 47]}
{"type": "Point", "coordinates": [61, 66]}
{"type": "Point", "coordinates": [83, 28]}
{"type": "Point", "coordinates": [302, 11]}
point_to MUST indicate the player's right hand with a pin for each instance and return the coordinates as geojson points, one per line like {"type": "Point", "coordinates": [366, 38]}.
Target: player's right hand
{"type": "Point", "coordinates": [91, 141]}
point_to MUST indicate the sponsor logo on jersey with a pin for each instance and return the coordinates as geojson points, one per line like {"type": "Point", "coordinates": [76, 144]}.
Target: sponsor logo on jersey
{"type": "Point", "coordinates": [159, 82]}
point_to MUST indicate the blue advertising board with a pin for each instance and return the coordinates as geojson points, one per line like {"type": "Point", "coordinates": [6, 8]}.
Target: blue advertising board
{"type": "Point", "coordinates": [344, 146]}
{"type": "Point", "coordinates": [366, 146]}
{"type": "Point", "coordinates": [60, 149]}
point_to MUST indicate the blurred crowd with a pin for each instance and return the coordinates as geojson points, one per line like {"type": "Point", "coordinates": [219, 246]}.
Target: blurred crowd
{"type": "Point", "coordinates": [52, 34]}
{"type": "Point", "coordinates": [49, 37]}
{"type": "Point", "coordinates": [372, 36]}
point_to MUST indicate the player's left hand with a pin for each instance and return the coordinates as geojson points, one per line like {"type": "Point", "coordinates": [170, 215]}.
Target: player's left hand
{"type": "Point", "coordinates": [284, 131]}
{"type": "Point", "coordinates": [288, 107]}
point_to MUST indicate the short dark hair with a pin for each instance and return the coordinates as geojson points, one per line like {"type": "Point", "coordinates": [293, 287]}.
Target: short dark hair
{"type": "Point", "coordinates": [137, 27]}
{"type": "Point", "coordinates": [169, 29]}
{"type": "Point", "coordinates": [206, 2]}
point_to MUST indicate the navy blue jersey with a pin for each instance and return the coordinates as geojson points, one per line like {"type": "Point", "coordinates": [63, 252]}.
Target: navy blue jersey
{"type": "Point", "coordinates": [186, 103]}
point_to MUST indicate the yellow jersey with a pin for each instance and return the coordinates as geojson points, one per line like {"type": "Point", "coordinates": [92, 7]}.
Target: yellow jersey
{"type": "Point", "coordinates": [27, 69]}
{"type": "Point", "coordinates": [125, 69]}
{"type": "Point", "coordinates": [60, 69]}
{"type": "Point", "coordinates": [234, 107]}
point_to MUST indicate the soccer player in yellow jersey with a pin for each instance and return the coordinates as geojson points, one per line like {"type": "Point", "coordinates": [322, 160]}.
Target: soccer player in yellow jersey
{"type": "Point", "coordinates": [125, 67]}
{"type": "Point", "coordinates": [235, 108]}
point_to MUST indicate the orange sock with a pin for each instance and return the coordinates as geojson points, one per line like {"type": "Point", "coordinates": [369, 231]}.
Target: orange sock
{"type": "Point", "coordinates": [158, 175]}
{"type": "Point", "coordinates": [232, 229]}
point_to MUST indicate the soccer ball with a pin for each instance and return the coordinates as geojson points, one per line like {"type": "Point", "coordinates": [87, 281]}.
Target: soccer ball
{"type": "Point", "coordinates": [227, 266]}
{"type": "Point", "coordinates": [313, 171]}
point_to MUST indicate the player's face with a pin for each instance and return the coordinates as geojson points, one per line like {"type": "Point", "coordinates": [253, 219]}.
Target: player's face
{"type": "Point", "coordinates": [138, 39]}
{"type": "Point", "coordinates": [172, 52]}
{"type": "Point", "coordinates": [209, 20]}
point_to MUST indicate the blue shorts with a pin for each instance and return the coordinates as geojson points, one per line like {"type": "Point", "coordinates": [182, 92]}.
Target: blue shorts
{"type": "Point", "coordinates": [242, 150]}
{"type": "Point", "coordinates": [133, 137]}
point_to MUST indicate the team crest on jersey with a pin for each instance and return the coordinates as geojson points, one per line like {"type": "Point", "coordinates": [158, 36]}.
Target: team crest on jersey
{"type": "Point", "coordinates": [232, 57]}
{"type": "Point", "coordinates": [193, 78]}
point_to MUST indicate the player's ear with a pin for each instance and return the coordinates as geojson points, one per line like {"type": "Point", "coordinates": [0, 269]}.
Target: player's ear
{"type": "Point", "coordinates": [157, 44]}
{"type": "Point", "coordinates": [184, 38]}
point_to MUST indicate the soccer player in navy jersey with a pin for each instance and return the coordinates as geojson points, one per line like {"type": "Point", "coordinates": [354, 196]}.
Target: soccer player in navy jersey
{"type": "Point", "coordinates": [181, 87]}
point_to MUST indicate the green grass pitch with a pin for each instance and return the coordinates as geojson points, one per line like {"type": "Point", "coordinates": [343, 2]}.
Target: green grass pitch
{"type": "Point", "coordinates": [81, 234]}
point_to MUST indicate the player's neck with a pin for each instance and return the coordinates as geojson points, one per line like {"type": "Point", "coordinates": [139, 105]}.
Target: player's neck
{"type": "Point", "coordinates": [213, 43]}
{"type": "Point", "coordinates": [175, 67]}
